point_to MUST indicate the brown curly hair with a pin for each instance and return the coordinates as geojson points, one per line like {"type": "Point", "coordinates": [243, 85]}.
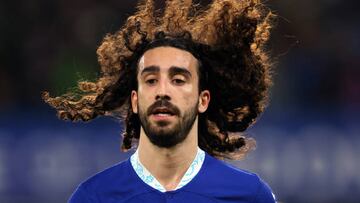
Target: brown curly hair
{"type": "Point", "coordinates": [226, 36]}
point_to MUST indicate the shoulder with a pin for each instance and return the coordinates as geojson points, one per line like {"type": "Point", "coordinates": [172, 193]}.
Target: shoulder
{"type": "Point", "coordinates": [115, 179]}
{"type": "Point", "coordinates": [106, 177]}
{"type": "Point", "coordinates": [225, 180]}
{"type": "Point", "coordinates": [226, 172]}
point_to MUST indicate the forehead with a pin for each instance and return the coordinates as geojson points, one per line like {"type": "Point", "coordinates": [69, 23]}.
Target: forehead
{"type": "Point", "coordinates": [166, 57]}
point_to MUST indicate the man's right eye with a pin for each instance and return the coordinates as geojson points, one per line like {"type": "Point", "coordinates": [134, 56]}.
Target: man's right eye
{"type": "Point", "coordinates": [150, 81]}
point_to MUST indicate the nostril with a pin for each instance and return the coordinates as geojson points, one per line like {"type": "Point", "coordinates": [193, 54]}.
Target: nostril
{"type": "Point", "coordinates": [162, 97]}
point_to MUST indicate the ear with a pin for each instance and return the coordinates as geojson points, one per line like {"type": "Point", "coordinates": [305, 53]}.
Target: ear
{"type": "Point", "coordinates": [134, 101]}
{"type": "Point", "coordinates": [204, 100]}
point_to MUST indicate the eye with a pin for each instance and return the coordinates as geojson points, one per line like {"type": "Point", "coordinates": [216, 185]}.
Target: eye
{"type": "Point", "coordinates": [151, 81]}
{"type": "Point", "coordinates": [178, 81]}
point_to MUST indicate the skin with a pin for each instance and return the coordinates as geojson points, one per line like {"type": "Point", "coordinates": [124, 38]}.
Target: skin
{"type": "Point", "coordinates": [181, 89]}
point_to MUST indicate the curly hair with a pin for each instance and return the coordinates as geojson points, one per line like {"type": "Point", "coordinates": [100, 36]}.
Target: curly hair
{"type": "Point", "coordinates": [227, 37]}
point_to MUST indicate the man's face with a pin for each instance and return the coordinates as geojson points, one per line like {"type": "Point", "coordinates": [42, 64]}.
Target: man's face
{"type": "Point", "coordinates": [168, 99]}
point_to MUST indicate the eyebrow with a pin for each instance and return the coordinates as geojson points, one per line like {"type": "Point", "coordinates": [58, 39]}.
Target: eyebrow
{"type": "Point", "coordinates": [150, 69]}
{"type": "Point", "coordinates": [174, 70]}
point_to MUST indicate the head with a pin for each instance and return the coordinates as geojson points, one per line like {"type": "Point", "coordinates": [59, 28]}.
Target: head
{"type": "Point", "coordinates": [168, 98]}
{"type": "Point", "coordinates": [218, 48]}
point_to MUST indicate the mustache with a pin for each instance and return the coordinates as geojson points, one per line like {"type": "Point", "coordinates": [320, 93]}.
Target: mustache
{"type": "Point", "coordinates": [163, 103]}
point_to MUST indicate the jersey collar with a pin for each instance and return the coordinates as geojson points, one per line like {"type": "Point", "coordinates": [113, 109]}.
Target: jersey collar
{"type": "Point", "coordinates": [150, 180]}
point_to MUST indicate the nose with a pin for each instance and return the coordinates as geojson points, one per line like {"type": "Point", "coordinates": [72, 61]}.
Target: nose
{"type": "Point", "coordinates": [162, 97]}
{"type": "Point", "coordinates": [162, 90]}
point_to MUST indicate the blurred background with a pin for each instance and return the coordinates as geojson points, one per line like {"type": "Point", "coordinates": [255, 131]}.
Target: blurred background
{"type": "Point", "coordinates": [308, 138]}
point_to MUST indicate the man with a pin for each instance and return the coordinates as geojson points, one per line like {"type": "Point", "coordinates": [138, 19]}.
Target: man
{"type": "Point", "coordinates": [187, 82]}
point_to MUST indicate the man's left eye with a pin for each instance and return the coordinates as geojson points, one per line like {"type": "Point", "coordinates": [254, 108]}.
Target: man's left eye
{"type": "Point", "coordinates": [178, 81]}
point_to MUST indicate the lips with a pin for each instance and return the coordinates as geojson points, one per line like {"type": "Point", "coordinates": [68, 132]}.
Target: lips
{"type": "Point", "coordinates": [162, 112]}
{"type": "Point", "coordinates": [162, 109]}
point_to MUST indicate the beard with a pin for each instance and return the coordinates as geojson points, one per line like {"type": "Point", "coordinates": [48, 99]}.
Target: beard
{"type": "Point", "coordinates": [160, 133]}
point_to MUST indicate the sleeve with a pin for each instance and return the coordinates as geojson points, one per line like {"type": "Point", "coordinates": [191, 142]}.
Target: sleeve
{"type": "Point", "coordinates": [264, 194]}
{"type": "Point", "coordinates": [81, 196]}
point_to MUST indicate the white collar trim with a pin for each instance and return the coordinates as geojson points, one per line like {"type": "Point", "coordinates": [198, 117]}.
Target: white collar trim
{"type": "Point", "coordinates": [150, 180]}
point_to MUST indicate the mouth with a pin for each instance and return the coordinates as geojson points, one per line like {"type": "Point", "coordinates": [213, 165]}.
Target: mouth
{"type": "Point", "coordinates": [162, 113]}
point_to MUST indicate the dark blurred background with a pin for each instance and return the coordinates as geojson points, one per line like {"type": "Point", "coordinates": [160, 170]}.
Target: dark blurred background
{"type": "Point", "coordinates": [308, 138]}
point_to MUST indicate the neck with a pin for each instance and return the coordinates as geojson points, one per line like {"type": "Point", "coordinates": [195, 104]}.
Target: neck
{"type": "Point", "coordinates": [168, 165]}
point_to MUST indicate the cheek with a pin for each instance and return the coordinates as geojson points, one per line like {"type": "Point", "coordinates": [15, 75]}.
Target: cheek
{"type": "Point", "coordinates": [144, 98]}
{"type": "Point", "coordinates": [190, 96]}
{"type": "Point", "coordinates": [141, 91]}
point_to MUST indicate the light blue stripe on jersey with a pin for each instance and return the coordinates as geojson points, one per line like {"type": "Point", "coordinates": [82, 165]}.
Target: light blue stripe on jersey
{"type": "Point", "coordinates": [150, 180]}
